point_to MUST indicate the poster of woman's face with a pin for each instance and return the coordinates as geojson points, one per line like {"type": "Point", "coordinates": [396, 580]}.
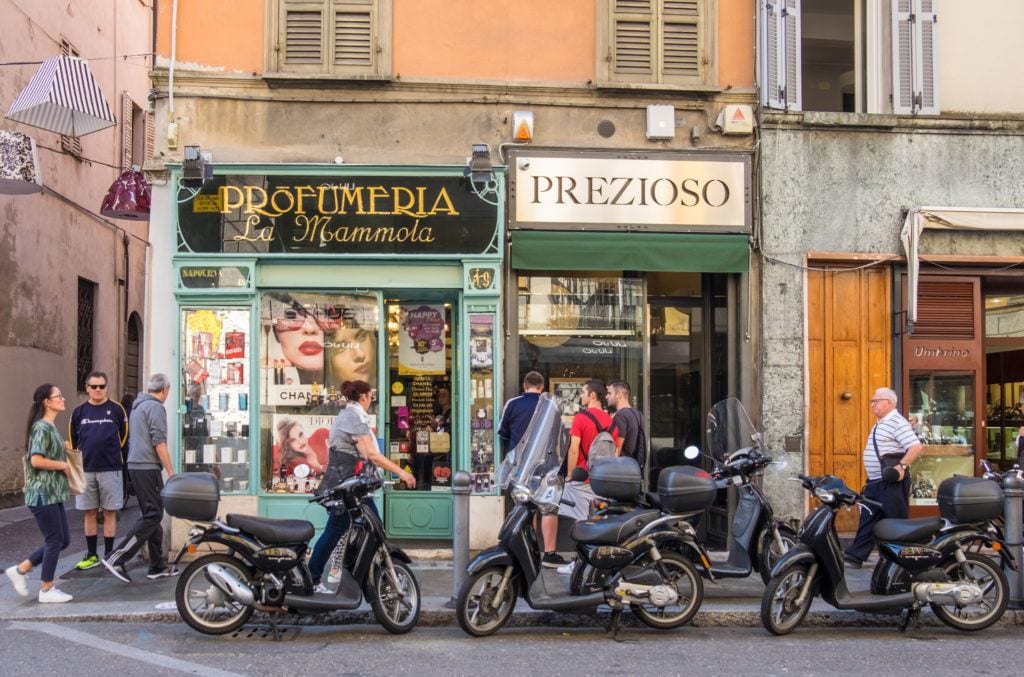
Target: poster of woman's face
{"type": "Point", "coordinates": [326, 339]}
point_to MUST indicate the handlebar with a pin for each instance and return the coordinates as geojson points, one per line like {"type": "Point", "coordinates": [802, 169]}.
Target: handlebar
{"type": "Point", "coordinates": [349, 485]}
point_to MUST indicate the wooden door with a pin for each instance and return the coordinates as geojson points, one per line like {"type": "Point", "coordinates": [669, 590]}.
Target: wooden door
{"type": "Point", "coordinates": [848, 356]}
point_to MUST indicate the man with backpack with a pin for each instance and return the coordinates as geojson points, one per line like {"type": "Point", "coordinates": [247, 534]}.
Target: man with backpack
{"type": "Point", "coordinates": [628, 423]}
{"type": "Point", "coordinates": [591, 429]}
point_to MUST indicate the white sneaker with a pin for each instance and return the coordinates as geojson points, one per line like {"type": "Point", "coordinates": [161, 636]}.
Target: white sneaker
{"type": "Point", "coordinates": [322, 589]}
{"type": "Point", "coordinates": [18, 580]}
{"type": "Point", "coordinates": [53, 596]}
{"type": "Point", "coordinates": [567, 568]}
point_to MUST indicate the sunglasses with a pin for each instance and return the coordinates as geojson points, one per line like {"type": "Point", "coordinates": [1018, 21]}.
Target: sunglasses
{"type": "Point", "coordinates": [328, 318]}
{"type": "Point", "coordinates": [95, 386]}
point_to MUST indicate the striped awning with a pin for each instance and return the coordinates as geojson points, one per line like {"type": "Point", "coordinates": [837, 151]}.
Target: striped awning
{"type": "Point", "coordinates": [63, 97]}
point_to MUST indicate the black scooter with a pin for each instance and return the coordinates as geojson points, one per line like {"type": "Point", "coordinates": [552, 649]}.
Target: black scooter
{"type": "Point", "coordinates": [265, 567]}
{"type": "Point", "coordinates": [923, 561]}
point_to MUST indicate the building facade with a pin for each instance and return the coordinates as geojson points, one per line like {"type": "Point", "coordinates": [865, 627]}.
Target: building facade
{"type": "Point", "coordinates": [891, 245]}
{"type": "Point", "coordinates": [75, 279]}
{"type": "Point", "coordinates": [448, 195]}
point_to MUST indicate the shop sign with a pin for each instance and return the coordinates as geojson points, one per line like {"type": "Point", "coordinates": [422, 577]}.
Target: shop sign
{"type": "Point", "coordinates": [383, 215]}
{"type": "Point", "coordinates": [214, 277]}
{"type": "Point", "coordinates": [421, 341]}
{"type": "Point", "coordinates": [696, 192]}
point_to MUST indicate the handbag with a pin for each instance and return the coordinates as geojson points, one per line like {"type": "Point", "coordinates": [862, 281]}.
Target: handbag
{"type": "Point", "coordinates": [76, 472]}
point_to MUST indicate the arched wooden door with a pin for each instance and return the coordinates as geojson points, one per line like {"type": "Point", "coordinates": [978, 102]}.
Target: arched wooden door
{"type": "Point", "coordinates": [849, 355]}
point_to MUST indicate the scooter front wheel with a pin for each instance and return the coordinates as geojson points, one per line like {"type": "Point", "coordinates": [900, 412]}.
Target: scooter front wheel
{"type": "Point", "coordinates": [781, 608]}
{"type": "Point", "coordinates": [203, 605]}
{"type": "Point", "coordinates": [395, 600]}
{"type": "Point", "coordinates": [986, 574]}
{"type": "Point", "coordinates": [479, 610]}
{"type": "Point", "coordinates": [679, 574]}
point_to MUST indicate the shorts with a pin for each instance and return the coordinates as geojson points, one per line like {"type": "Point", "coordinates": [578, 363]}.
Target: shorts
{"type": "Point", "coordinates": [104, 490]}
{"type": "Point", "coordinates": [581, 495]}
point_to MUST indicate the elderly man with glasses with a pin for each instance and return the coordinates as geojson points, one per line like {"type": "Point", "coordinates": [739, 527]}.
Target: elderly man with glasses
{"type": "Point", "coordinates": [99, 429]}
{"type": "Point", "coordinates": [891, 447]}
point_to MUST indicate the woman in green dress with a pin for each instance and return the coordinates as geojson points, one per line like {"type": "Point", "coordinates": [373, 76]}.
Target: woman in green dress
{"type": "Point", "coordinates": [46, 489]}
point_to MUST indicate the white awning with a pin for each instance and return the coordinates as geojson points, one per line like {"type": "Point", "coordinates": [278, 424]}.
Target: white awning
{"type": "Point", "coordinates": [952, 218]}
{"type": "Point", "coordinates": [63, 97]}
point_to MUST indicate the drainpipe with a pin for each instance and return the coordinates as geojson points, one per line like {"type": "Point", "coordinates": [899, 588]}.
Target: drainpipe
{"type": "Point", "coordinates": [172, 127]}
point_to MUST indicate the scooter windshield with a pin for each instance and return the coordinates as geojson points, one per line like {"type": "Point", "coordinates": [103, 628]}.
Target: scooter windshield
{"type": "Point", "coordinates": [535, 460]}
{"type": "Point", "coordinates": [729, 429]}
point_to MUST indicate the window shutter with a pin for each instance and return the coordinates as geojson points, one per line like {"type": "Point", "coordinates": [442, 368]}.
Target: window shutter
{"type": "Point", "coordinates": [353, 31]}
{"type": "Point", "coordinates": [681, 47]}
{"type": "Point", "coordinates": [926, 81]}
{"type": "Point", "coordinates": [791, 58]}
{"type": "Point", "coordinates": [150, 135]}
{"type": "Point", "coordinates": [772, 76]}
{"type": "Point", "coordinates": [632, 46]}
{"type": "Point", "coordinates": [301, 41]}
{"type": "Point", "coordinates": [71, 145]}
{"type": "Point", "coordinates": [902, 57]}
{"type": "Point", "coordinates": [945, 309]}
{"type": "Point", "coordinates": [127, 131]}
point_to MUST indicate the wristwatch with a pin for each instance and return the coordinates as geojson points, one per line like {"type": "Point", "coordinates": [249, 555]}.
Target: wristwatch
{"type": "Point", "coordinates": [904, 466]}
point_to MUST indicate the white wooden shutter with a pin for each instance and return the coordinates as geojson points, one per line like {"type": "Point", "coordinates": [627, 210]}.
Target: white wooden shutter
{"type": "Point", "coordinates": [926, 79]}
{"type": "Point", "coordinates": [301, 39]}
{"type": "Point", "coordinates": [902, 57]}
{"type": "Point", "coordinates": [631, 40]}
{"type": "Point", "coordinates": [127, 130]}
{"type": "Point", "coordinates": [353, 31]}
{"type": "Point", "coordinates": [681, 48]}
{"type": "Point", "coordinates": [791, 59]}
{"type": "Point", "coordinates": [771, 71]}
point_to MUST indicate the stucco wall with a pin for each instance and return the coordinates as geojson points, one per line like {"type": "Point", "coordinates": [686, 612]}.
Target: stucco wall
{"type": "Point", "coordinates": [831, 190]}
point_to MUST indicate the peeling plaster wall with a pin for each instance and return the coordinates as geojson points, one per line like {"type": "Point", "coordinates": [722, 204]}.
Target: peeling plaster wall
{"type": "Point", "coordinates": [844, 190]}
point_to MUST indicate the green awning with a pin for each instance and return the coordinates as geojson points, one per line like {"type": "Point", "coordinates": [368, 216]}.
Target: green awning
{"type": "Point", "coordinates": [594, 250]}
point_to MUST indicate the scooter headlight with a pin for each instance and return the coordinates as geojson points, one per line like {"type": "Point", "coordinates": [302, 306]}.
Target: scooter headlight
{"type": "Point", "coordinates": [520, 494]}
{"type": "Point", "coordinates": [824, 495]}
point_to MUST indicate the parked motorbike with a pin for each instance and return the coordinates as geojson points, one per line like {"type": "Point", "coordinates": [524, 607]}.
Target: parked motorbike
{"type": "Point", "coordinates": [758, 539]}
{"type": "Point", "coordinates": [624, 559]}
{"type": "Point", "coordinates": [923, 561]}
{"type": "Point", "coordinates": [265, 567]}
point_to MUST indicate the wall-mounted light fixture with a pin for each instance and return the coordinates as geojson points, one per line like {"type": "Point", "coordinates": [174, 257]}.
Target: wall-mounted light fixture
{"type": "Point", "coordinates": [479, 167]}
{"type": "Point", "coordinates": [129, 197]}
{"type": "Point", "coordinates": [196, 167]}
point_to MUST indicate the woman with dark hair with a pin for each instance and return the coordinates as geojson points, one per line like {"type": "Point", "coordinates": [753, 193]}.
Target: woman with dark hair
{"type": "Point", "coordinates": [352, 444]}
{"type": "Point", "coordinates": [46, 489]}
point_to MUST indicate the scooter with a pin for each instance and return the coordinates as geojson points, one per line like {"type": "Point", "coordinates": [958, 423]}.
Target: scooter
{"type": "Point", "coordinates": [758, 539]}
{"type": "Point", "coordinates": [923, 561]}
{"type": "Point", "coordinates": [265, 567]}
{"type": "Point", "coordinates": [624, 559]}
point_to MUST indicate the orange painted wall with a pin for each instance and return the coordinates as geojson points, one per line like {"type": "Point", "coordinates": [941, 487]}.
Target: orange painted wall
{"type": "Point", "coordinates": [222, 33]}
{"type": "Point", "coordinates": [736, 42]}
{"type": "Point", "coordinates": [548, 40]}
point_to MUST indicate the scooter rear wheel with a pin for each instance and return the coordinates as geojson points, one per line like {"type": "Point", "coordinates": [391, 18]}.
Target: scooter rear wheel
{"type": "Point", "coordinates": [475, 605]}
{"type": "Point", "coordinates": [780, 612]}
{"type": "Point", "coordinates": [983, 571]}
{"type": "Point", "coordinates": [681, 576]}
{"type": "Point", "coordinates": [770, 554]}
{"type": "Point", "coordinates": [202, 605]}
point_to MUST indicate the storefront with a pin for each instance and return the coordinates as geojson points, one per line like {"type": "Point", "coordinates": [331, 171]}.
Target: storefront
{"type": "Point", "coordinates": [634, 267]}
{"type": "Point", "coordinates": [291, 280]}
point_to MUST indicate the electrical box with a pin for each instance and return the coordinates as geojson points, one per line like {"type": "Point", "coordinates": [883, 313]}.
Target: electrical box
{"type": "Point", "coordinates": [737, 119]}
{"type": "Point", "coordinates": [661, 122]}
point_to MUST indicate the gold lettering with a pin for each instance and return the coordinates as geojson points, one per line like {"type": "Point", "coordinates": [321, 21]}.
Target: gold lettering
{"type": "Point", "coordinates": [443, 197]}
{"type": "Point", "coordinates": [377, 193]}
{"type": "Point", "coordinates": [264, 234]}
{"type": "Point", "coordinates": [290, 201]}
{"type": "Point", "coordinates": [300, 193]}
{"type": "Point", "coordinates": [227, 203]}
{"type": "Point", "coordinates": [252, 206]}
{"type": "Point", "coordinates": [403, 208]}
{"type": "Point", "coordinates": [350, 195]}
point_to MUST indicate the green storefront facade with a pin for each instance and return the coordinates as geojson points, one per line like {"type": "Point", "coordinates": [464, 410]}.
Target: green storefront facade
{"type": "Point", "coordinates": [290, 280]}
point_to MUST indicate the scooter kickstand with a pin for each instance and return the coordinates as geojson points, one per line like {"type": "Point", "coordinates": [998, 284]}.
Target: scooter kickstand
{"type": "Point", "coordinates": [911, 617]}
{"type": "Point", "coordinates": [615, 626]}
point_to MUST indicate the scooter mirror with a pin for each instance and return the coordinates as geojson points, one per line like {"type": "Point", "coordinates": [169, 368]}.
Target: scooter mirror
{"type": "Point", "coordinates": [691, 452]}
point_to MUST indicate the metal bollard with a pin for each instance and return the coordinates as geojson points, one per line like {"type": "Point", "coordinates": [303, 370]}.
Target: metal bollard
{"type": "Point", "coordinates": [1013, 492]}
{"type": "Point", "coordinates": [461, 481]}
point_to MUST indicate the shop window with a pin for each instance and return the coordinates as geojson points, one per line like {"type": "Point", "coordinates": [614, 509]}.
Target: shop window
{"type": "Point", "coordinates": [310, 344]}
{"type": "Point", "coordinates": [823, 55]}
{"type": "Point", "coordinates": [86, 330]}
{"type": "Point", "coordinates": [215, 395]}
{"type": "Point", "coordinates": [654, 41]}
{"type": "Point", "coordinates": [941, 411]}
{"type": "Point", "coordinates": [330, 37]}
{"type": "Point", "coordinates": [1004, 369]}
{"type": "Point", "coordinates": [578, 326]}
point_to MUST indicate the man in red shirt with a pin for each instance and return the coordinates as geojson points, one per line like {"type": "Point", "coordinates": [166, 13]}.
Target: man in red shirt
{"type": "Point", "coordinates": [581, 435]}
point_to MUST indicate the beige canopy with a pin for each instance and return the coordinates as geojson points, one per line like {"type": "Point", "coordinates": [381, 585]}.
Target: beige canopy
{"type": "Point", "coordinates": [952, 218]}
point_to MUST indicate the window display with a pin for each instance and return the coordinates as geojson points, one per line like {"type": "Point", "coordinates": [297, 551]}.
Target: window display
{"type": "Point", "coordinates": [941, 411]}
{"type": "Point", "coordinates": [215, 389]}
{"type": "Point", "coordinates": [481, 384]}
{"type": "Point", "coordinates": [311, 345]}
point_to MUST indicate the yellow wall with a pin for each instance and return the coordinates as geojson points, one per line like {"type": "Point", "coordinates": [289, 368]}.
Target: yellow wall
{"type": "Point", "coordinates": [226, 34]}
{"type": "Point", "coordinates": [736, 43]}
{"type": "Point", "coordinates": [978, 65]}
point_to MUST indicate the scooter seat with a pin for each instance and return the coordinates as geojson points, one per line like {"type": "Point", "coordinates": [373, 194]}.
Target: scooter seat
{"type": "Point", "coordinates": [273, 532]}
{"type": "Point", "coordinates": [907, 531]}
{"type": "Point", "coordinates": [612, 529]}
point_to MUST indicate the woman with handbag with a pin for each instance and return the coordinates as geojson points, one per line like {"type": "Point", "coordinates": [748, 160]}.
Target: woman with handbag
{"type": "Point", "coordinates": [46, 489]}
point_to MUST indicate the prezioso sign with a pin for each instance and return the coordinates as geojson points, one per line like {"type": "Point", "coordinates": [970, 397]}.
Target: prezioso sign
{"type": "Point", "coordinates": [338, 215]}
{"type": "Point", "coordinates": [700, 193]}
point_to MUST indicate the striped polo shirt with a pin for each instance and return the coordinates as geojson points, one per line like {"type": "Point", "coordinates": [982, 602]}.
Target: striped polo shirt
{"type": "Point", "coordinates": [894, 436]}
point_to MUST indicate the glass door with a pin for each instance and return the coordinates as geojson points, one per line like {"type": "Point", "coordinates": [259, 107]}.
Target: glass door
{"type": "Point", "coordinates": [1004, 372]}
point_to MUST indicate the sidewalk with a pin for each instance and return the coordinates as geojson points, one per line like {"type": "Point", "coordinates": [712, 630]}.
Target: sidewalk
{"type": "Point", "coordinates": [100, 597]}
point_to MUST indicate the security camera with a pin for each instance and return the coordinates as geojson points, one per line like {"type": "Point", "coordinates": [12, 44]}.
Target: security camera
{"type": "Point", "coordinates": [524, 163]}
{"type": "Point", "coordinates": [338, 160]}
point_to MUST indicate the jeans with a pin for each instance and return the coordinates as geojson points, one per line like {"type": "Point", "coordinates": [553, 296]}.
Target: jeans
{"type": "Point", "coordinates": [895, 500]}
{"type": "Point", "coordinates": [148, 529]}
{"type": "Point", "coordinates": [337, 525]}
{"type": "Point", "coordinates": [53, 522]}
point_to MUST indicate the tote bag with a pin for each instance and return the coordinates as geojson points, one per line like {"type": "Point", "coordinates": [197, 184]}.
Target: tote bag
{"type": "Point", "coordinates": [76, 472]}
